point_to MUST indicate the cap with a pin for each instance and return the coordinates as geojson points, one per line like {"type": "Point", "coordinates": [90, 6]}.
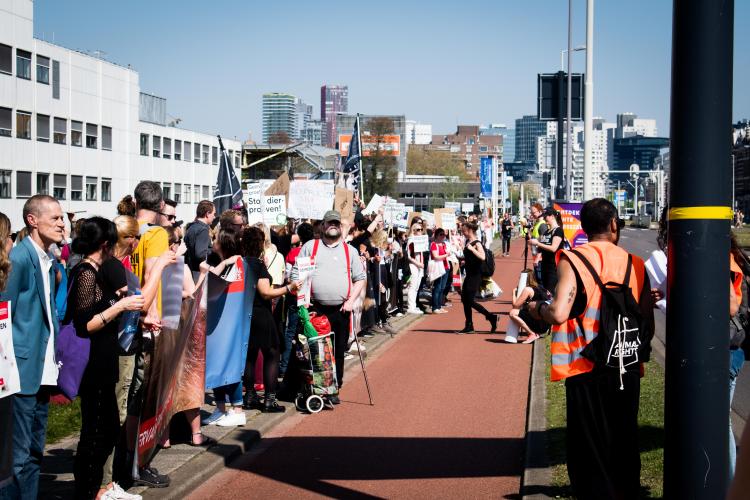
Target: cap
{"type": "Point", "coordinates": [550, 211]}
{"type": "Point", "coordinates": [332, 215]}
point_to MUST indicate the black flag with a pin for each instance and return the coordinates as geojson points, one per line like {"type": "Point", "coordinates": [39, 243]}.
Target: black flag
{"type": "Point", "coordinates": [228, 193]}
{"type": "Point", "coordinates": [351, 169]}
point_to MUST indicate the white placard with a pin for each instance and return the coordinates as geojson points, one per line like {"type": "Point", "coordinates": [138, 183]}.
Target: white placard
{"type": "Point", "coordinates": [656, 267]}
{"type": "Point", "coordinates": [305, 269]}
{"type": "Point", "coordinates": [429, 218]}
{"type": "Point", "coordinates": [254, 203]}
{"type": "Point", "coordinates": [310, 199]}
{"type": "Point", "coordinates": [449, 221]}
{"type": "Point", "coordinates": [10, 382]}
{"type": "Point", "coordinates": [467, 207]}
{"type": "Point", "coordinates": [421, 243]}
{"type": "Point", "coordinates": [274, 210]}
{"type": "Point", "coordinates": [401, 219]}
{"type": "Point", "coordinates": [375, 203]}
{"type": "Point", "coordinates": [455, 205]}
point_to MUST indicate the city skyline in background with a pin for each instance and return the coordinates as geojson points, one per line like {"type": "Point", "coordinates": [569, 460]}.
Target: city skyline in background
{"type": "Point", "coordinates": [214, 75]}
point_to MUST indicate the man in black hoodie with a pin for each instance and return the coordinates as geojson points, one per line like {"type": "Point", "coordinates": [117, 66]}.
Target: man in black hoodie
{"type": "Point", "coordinates": [197, 239]}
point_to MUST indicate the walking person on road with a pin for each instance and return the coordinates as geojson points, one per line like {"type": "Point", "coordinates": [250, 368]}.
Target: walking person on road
{"type": "Point", "coordinates": [506, 226]}
{"type": "Point", "coordinates": [474, 255]}
{"type": "Point", "coordinates": [603, 460]}
{"type": "Point", "coordinates": [548, 244]}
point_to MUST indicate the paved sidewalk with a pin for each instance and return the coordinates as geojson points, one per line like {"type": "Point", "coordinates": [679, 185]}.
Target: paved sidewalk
{"type": "Point", "coordinates": [449, 420]}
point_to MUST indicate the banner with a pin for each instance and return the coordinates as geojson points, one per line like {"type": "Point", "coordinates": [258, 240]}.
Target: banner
{"type": "Point", "coordinates": [485, 176]}
{"type": "Point", "coordinates": [167, 360]}
{"type": "Point", "coordinates": [310, 199]}
{"type": "Point", "coordinates": [571, 223]}
{"type": "Point", "coordinates": [390, 145]}
{"type": "Point", "coordinates": [229, 311]}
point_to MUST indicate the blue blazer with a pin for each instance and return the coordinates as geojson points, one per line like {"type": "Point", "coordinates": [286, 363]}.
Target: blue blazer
{"type": "Point", "coordinates": [25, 291]}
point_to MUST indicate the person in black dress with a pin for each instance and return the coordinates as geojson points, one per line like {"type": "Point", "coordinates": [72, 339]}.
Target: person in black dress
{"type": "Point", "coordinates": [264, 332]}
{"type": "Point", "coordinates": [474, 255]}
{"type": "Point", "coordinates": [97, 299]}
{"type": "Point", "coordinates": [548, 244]}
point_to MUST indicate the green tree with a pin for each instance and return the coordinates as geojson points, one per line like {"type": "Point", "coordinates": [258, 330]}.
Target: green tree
{"type": "Point", "coordinates": [279, 137]}
{"type": "Point", "coordinates": [420, 161]}
{"type": "Point", "coordinates": [379, 172]}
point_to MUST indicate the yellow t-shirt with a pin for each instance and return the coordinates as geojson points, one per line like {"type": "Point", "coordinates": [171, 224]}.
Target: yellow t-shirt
{"type": "Point", "coordinates": [154, 242]}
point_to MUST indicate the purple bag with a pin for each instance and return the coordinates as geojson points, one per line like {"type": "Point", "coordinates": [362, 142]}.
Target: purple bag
{"type": "Point", "coordinates": [72, 356]}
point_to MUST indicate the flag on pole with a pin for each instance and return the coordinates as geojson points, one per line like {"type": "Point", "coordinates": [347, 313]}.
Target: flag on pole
{"type": "Point", "coordinates": [227, 193]}
{"type": "Point", "coordinates": [352, 168]}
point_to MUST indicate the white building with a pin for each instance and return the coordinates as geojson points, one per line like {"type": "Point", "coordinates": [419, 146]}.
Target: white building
{"type": "Point", "coordinates": [78, 128]}
{"type": "Point", "coordinates": [418, 133]}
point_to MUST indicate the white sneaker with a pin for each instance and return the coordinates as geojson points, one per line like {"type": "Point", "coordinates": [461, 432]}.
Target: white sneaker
{"type": "Point", "coordinates": [232, 419]}
{"type": "Point", "coordinates": [213, 418]}
{"type": "Point", "coordinates": [348, 355]}
{"type": "Point", "coordinates": [399, 314]}
{"type": "Point", "coordinates": [117, 493]}
{"type": "Point", "coordinates": [414, 311]}
{"type": "Point", "coordinates": [511, 340]}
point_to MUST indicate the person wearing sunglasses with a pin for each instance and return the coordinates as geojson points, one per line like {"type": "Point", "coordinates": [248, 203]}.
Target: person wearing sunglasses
{"type": "Point", "coordinates": [416, 268]}
{"type": "Point", "coordinates": [168, 214]}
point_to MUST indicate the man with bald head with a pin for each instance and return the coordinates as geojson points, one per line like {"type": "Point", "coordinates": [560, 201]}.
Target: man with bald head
{"type": "Point", "coordinates": [31, 292]}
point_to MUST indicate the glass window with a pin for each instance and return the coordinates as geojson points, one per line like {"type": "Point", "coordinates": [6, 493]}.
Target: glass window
{"type": "Point", "coordinates": [23, 184]}
{"type": "Point", "coordinates": [144, 144]}
{"type": "Point", "coordinates": [6, 59]}
{"type": "Point", "coordinates": [197, 153]}
{"type": "Point", "coordinates": [177, 149]}
{"type": "Point", "coordinates": [23, 64]}
{"type": "Point", "coordinates": [60, 187]}
{"type": "Point", "coordinates": [42, 183]}
{"type": "Point", "coordinates": [178, 192]}
{"type": "Point", "coordinates": [6, 121]}
{"type": "Point", "coordinates": [91, 188]}
{"type": "Point", "coordinates": [205, 154]}
{"type": "Point", "coordinates": [42, 128]}
{"type": "Point", "coordinates": [55, 79]}
{"type": "Point", "coordinates": [197, 191]}
{"type": "Point", "coordinates": [237, 158]}
{"type": "Point", "coordinates": [214, 155]}
{"type": "Point", "coordinates": [42, 69]}
{"type": "Point", "coordinates": [5, 183]}
{"type": "Point", "coordinates": [23, 125]}
{"type": "Point", "coordinates": [186, 197]}
{"type": "Point", "coordinates": [187, 150]}
{"type": "Point", "coordinates": [167, 146]}
{"type": "Point", "coordinates": [156, 151]}
{"type": "Point", "coordinates": [205, 192]}
{"type": "Point", "coordinates": [76, 187]}
{"type": "Point", "coordinates": [107, 138]}
{"type": "Point", "coordinates": [61, 130]}
{"type": "Point", "coordinates": [76, 133]}
{"type": "Point", "coordinates": [166, 189]}
{"type": "Point", "coordinates": [106, 189]}
{"type": "Point", "coordinates": [92, 134]}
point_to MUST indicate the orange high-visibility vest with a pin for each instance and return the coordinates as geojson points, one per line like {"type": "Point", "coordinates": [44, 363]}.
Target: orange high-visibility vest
{"type": "Point", "coordinates": [567, 339]}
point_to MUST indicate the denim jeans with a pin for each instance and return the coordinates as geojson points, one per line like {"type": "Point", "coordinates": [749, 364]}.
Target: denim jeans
{"type": "Point", "coordinates": [29, 434]}
{"type": "Point", "coordinates": [231, 392]}
{"type": "Point", "coordinates": [736, 360]}
{"type": "Point", "coordinates": [292, 319]}
{"type": "Point", "coordinates": [438, 288]}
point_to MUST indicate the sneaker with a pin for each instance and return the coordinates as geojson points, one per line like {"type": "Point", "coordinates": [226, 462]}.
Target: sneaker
{"type": "Point", "coordinates": [414, 311]}
{"type": "Point", "coordinates": [232, 419]}
{"type": "Point", "coordinates": [511, 340]}
{"type": "Point", "coordinates": [399, 314]}
{"type": "Point", "coordinates": [389, 329]}
{"type": "Point", "coordinates": [348, 355]}
{"type": "Point", "coordinates": [439, 311]}
{"type": "Point", "coordinates": [368, 334]}
{"type": "Point", "coordinates": [149, 476]}
{"type": "Point", "coordinates": [117, 493]}
{"type": "Point", "coordinates": [211, 419]}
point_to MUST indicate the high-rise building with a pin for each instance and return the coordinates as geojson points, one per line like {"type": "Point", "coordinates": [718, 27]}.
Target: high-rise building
{"type": "Point", "coordinates": [279, 115]}
{"type": "Point", "coordinates": [304, 117]}
{"type": "Point", "coordinates": [629, 125]}
{"type": "Point", "coordinates": [418, 133]}
{"type": "Point", "coordinates": [313, 133]}
{"type": "Point", "coordinates": [509, 139]}
{"type": "Point", "coordinates": [334, 100]}
{"type": "Point", "coordinates": [528, 128]}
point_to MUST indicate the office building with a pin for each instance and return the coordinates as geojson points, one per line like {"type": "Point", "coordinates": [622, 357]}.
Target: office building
{"type": "Point", "coordinates": [509, 139]}
{"type": "Point", "coordinates": [638, 150]}
{"type": "Point", "coordinates": [280, 114]}
{"type": "Point", "coordinates": [741, 167]}
{"type": "Point", "coordinates": [528, 129]}
{"type": "Point", "coordinates": [470, 146]}
{"type": "Point", "coordinates": [418, 133]}
{"type": "Point", "coordinates": [304, 117]}
{"type": "Point", "coordinates": [79, 128]}
{"type": "Point", "coordinates": [313, 133]}
{"type": "Point", "coordinates": [629, 125]}
{"type": "Point", "coordinates": [334, 100]}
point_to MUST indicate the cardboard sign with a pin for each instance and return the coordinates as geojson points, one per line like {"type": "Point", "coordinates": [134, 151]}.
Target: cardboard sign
{"type": "Point", "coordinates": [10, 382]}
{"type": "Point", "coordinates": [375, 203]}
{"type": "Point", "coordinates": [455, 205]}
{"type": "Point", "coordinates": [274, 210]}
{"type": "Point", "coordinates": [421, 243]}
{"type": "Point", "coordinates": [411, 216]}
{"type": "Point", "coordinates": [309, 199]}
{"type": "Point", "coordinates": [343, 203]}
{"type": "Point", "coordinates": [279, 187]}
{"type": "Point", "coordinates": [467, 207]}
{"type": "Point", "coordinates": [439, 214]}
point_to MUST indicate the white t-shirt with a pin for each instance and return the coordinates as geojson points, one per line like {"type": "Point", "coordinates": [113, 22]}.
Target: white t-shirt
{"type": "Point", "coordinates": [50, 371]}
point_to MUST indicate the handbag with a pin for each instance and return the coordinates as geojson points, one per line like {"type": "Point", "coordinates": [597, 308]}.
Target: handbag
{"type": "Point", "coordinates": [435, 269]}
{"type": "Point", "coordinates": [72, 355]}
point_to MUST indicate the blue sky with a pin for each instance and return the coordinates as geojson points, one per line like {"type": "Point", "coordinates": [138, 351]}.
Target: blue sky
{"type": "Point", "coordinates": [471, 62]}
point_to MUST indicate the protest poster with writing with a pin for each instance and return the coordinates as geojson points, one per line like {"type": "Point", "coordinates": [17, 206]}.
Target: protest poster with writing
{"type": "Point", "coordinates": [343, 203]}
{"type": "Point", "coordinates": [421, 243]}
{"type": "Point", "coordinates": [305, 268]}
{"type": "Point", "coordinates": [375, 203]}
{"type": "Point", "coordinates": [455, 205]}
{"type": "Point", "coordinates": [279, 187]}
{"type": "Point", "coordinates": [274, 210]}
{"type": "Point", "coordinates": [467, 207]}
{"type": "Point", "coordinates": [429, 218]}
{"type": "Point", "coordinates": [309, 199]}
{"type": "Point", "coordinates": [10, 383]}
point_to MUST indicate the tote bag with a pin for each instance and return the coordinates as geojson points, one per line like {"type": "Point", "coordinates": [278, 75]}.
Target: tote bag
{"type": "Point", "coordinates": [72, 356]}
{"type": "Point", "coordinates": [435, 269]}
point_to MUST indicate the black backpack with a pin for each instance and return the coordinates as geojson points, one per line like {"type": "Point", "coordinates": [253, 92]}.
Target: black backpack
{"type": "Point", "coordinates": [487, 267]}
{"type": "Point", "coordinates": [621, 341]}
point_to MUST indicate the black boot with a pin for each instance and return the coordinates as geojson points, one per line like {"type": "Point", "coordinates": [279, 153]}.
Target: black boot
{"type": "Point", "coordinates": [492, 318]}
{"type": "Point", "coordinates": [251, 401]}
{"type": "Point", "coordinates": [271, 405]}
{"type": "Point", "coordinates": [467, 329]}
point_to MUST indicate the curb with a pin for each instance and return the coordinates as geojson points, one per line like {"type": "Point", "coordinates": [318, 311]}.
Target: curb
{"type": "Point", "coordinates": [536, 474]}
{"type": "Point", "coordinates": [191, 474]}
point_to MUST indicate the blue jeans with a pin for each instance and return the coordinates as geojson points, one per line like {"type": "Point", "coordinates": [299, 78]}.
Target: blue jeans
{"type": "Point", "coordinates": [231, 392]}
{"type": "Point", "coordinates": [437, 291]}
{"type": "Point", "coordinates": [736, 360]}
{"type": "Point", "coordinates": [29, 434]}
{"type": "Point", "coordinates": [292, 319]}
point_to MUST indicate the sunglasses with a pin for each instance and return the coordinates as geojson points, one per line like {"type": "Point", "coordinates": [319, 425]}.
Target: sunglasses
{"type": "Point", "coordinates": [169, 217]}
{"type": "Point", "coordinates": [418, 230]}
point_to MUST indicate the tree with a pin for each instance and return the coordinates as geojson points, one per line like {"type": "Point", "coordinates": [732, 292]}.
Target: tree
{"type": "Point", "coordinates": [379, 172]}
{"type": "Point", "coordinates": [279, 137]}
{"type": "Point", "coordinates": [420, 161]}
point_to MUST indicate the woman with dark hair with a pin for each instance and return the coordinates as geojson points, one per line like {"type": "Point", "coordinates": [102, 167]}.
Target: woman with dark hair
{"type": "Point", "coordinates": [96, 300]}
{"type": "Point", "coordinates": [6, 402]}
{"type": "Point", "coordinates": [474, 255]}
{"type": "Point", "coordinates": [264, 333]}
{"type": "Point", "coordinates": [439, 251]}
{"type": "Point", "coordinates": [531, 292]}
{"type": "Point", "coordinates": [548, 244]}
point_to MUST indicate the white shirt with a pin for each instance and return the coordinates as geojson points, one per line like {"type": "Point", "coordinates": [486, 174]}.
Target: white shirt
{"type": "Point", "coordinates": [49, 374]}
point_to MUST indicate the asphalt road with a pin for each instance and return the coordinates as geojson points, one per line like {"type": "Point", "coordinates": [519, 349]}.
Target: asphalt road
{"type": "Point", "coordinates": [642, 242]}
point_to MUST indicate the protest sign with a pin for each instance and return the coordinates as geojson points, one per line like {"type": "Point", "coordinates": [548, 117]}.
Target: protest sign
{"type": "Point", "coordinates": [375, 203]}
{"type": "Point", "coordinates": [10, 382]}
{"type": "Point", "coordinates": [429, 218]}
{"type": "Point", "coordinates": [411, 217]}
{"type": "Point", "coordinates": [274, 210]}
{"type": "Point", "coordinates": [455, 205]}
{"type": "Point", "coordinates": [309, 199]}
{"type": "Point", "coordinates": [254, 203]}
{"type": "Point", "coordinates": [305, 268]}
{"type": "Point", "coordinates": [570, 213]}
{"type": "Point", "coordinates": [421, 243]}
{"type": "Point", "coordinates": [449, 222]}
{"type": "Point", "coordinates": [467, 207]}
{"type": "Point", "coordinates": [343, 202]}
{"type": "Point", "coordinates": [401, 219]}
{"type": "Point", "coordinates": [280, 186]}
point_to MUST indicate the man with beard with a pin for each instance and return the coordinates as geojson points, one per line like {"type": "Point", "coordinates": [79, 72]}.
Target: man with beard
{"type": "Point", "coordinates": [336, 282]}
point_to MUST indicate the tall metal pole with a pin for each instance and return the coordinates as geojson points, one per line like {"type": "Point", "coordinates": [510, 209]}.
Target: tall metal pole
{"type": "Point", "coordinates": [697, 358]}
{"type": "Point", "coordinates": [560, 181]}
{"type": "Point", "coordinates": [568, 128]}
{"type": "Point", "coordinates": [588, 103]}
